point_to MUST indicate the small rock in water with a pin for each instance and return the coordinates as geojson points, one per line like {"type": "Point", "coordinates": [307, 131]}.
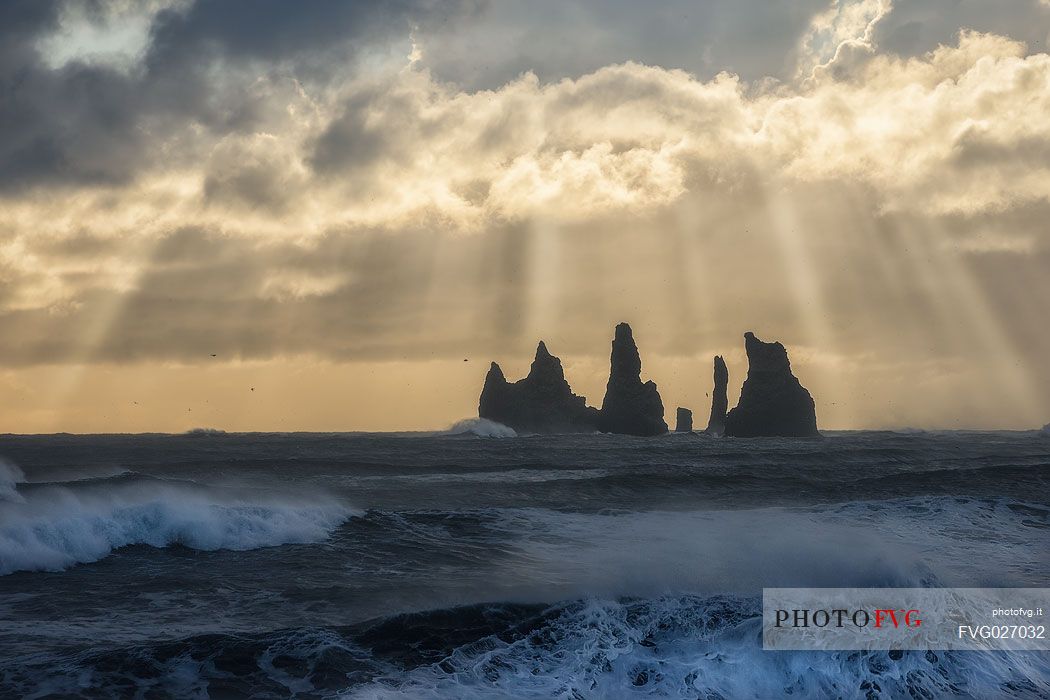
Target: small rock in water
{"type": "Point", "coordinates": [684, 424]}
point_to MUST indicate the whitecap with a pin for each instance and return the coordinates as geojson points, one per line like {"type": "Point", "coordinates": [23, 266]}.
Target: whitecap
{"type": "Point", "coordinates": [9, 476]}
{"type": "Point", "coordinates": [54, 527]}
{"type": "Point", "coordinates": [482, 427]}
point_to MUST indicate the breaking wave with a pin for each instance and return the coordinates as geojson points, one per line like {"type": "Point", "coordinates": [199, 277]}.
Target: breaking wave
{"type": "Point", "coordinates": [682, 646]}
{"type": "Point", "coordinates": [54, 526]}
{"type": "Point", "coordinates": [481, 427]}
{"type": "Point", "coordinates": [552, 567]}
{"type": "Point", "coordinates": [669, 646]}
{"type": "Point", "coordinates": [10, 475]}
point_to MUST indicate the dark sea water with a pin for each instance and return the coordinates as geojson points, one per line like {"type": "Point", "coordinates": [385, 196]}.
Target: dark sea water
{"type": "Point", "coordinates": [459, 566]}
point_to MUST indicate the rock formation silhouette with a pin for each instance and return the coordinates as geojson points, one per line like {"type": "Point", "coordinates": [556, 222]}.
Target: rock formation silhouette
{"type": "Point", "coordinates": [542, 402]}
{"type": "Point", "coordinates": [684, 422]}
{"type": "Point", "coordinates": [630, 407]}
{"type": "Point", "coordinates": [716, 424]}
{"type": "Point", "coordinates": [772, 401]}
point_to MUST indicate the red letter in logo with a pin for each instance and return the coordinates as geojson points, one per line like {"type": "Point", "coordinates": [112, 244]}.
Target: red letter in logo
{"type": "Point", "coordinates": [880, 616]}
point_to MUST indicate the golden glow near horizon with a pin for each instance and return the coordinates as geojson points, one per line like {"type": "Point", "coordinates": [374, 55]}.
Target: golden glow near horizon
{"type": "Point", "coordinates": [342, 245]}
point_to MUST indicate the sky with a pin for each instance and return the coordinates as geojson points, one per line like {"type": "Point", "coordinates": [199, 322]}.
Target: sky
{"type": "Point", "coordinates": [262, 215]}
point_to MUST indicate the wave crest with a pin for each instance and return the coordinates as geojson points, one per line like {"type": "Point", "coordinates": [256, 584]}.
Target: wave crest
{"type": "Point", "coordinates": [481, 427]}
{"type": "Point", "coordinates": [10, 475]}
{"type": "Point", "coordinates": [669, 646]}
{"type": "Point", "coordinates": [681, 646]}
{"type": "Point", "coordinates": [54, 527]}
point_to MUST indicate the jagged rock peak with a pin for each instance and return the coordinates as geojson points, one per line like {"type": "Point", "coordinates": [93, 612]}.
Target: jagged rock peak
{"type": "Point", "coordinates": [542, 402]}
{"type": "Point", "coordinates": [684, 421]}
{"type": "Point", "coordinates": [630, 407]}
{"type": "Point", "coordinates": [545, 366]}
{"type": "Point", "coordinates": [765, 357]}
{"type": "Point", "coordinates": [716, 424]}
{"type": "Point", "coordinates": [493, 393]}
{"type": "Point", "coordinates": [772, 401]}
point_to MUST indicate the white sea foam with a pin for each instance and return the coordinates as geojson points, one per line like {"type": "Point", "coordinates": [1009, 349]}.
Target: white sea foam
{"type": "Point", "coordinates": [482, 427]}
{"type": "Point", "coordinates": [54, 527]}
{"type": "Point", "coordinates": [9, 476]}
{"type": "Point", "coordinates": [688, 647]}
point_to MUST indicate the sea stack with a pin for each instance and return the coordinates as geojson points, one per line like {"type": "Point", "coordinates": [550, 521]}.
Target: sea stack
{"type": "Point", "coordinates": [716, 425]}
{"type": "Point", "coordinates": [684, 422]}
{"type": "Point", "coordinates": [630, 407]}
{"type": "Point", "coordinates": [542, 402]}
{"type": "Point", "coordinates": [772, 401]}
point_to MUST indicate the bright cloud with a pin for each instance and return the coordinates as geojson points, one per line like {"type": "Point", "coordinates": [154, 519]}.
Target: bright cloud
{"type": "Point", "coordinates": [947, 132]}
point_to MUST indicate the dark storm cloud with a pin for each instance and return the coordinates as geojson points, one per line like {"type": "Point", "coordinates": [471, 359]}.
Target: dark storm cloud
{"type": "Point", "coordinates": [917, 26]}
{"type": "Point", "coordinates": [75, 125]}
{"type": "Point", "coordinates": [349, 141]}
{"type": "Point", "coordinates": [255, 180]}
{"type": "Point", "coordinates": [65, 125]}
{"type": "Point", "coordinates": [89, 123]}
{"type": "Point", "coordinates": [21, 18]}
{"type": "Point", "coordinates": [276, 29]}
{"type": "Point", "coordinates": [556, 39]}
{"type": "Point", "coordinates": [752, 38]}
{"type": "Point", "coordinates": [974, 150]}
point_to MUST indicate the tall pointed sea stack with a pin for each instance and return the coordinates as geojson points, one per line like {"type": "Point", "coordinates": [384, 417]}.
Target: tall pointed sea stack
{"type": "Point", "coordinates": [772, 401]}
{"type": "Point", "coordinates": [542, 402]}
{"type": "Point", "coordinates": [716, 425]}
{"type": "Point", "coordinates": [630, 407]}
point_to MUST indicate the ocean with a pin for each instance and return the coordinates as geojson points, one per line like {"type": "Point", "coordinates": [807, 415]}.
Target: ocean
{"type": "Point", "coordinates": [475, 564]}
